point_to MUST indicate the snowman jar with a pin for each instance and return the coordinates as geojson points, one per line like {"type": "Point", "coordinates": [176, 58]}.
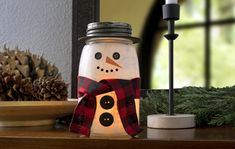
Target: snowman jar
{"type": "Point", "coordinates": [108, 82]}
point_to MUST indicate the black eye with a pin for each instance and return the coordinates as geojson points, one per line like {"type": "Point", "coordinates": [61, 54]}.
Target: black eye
{"type": "Point", "coordinates": [116, 55]}
{"type": "Point", "coordinates": [98, 55]}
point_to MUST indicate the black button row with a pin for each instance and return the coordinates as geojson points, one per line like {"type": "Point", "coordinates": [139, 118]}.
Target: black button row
{"type": "Point", "coordinates": [107, 102]}
{"type": "Point", "coordinates": [106, 119]}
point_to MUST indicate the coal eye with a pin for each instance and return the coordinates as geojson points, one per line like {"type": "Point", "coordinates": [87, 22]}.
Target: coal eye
{"type": "Point", "coordinates": [98, 55]}
{"type": "Point", "coordinates": [116, 55]}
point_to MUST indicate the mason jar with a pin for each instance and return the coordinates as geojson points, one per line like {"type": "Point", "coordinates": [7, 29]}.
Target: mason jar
{"type": "Point", "coordinates": [109, 53]}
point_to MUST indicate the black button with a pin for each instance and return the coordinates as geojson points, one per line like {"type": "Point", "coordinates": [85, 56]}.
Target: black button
{"type": "Point", "coordinates": [116, 55]}
{"type": "Point", "coordinates": [107, 102]}
{"type": "Point", "coordinates": [98, 55]}
{"type": "Point", "coordinates": [106, 119]}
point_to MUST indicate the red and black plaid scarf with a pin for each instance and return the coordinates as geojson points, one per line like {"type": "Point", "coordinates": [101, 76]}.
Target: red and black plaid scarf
{"type": "Point", "coordinates": [126, 91]}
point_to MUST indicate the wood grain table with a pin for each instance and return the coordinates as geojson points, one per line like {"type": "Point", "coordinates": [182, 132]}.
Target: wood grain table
{"type": "Point", "coordinates": [58, 137]}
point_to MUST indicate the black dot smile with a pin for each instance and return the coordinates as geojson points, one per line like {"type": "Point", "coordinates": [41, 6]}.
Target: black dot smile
{"type": "Point", "coordinates": [106, 70]}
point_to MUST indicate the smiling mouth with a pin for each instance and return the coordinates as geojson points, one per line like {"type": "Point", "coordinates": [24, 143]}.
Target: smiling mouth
{"type": "Point", "coordinates": [106, 70]}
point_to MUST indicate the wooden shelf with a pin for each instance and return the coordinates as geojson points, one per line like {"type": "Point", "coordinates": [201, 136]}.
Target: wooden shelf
{"type": "Point", "coordinates": [60, 138]}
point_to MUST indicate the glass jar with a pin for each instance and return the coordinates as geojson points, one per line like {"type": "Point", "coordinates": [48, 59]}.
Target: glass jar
{"type": "Point", "coordinates": [109, 53]}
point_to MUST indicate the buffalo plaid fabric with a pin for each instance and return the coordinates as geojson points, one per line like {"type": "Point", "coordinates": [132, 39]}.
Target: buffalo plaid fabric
{"type": "Point", "coordinates": [126, 91]}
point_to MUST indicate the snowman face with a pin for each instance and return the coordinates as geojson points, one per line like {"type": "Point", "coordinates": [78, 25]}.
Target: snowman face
{"type": "Point", "coordinates": [109, 61]}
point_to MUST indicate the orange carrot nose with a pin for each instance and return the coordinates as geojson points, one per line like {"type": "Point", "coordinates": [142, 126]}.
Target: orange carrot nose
{"type": "Point", "coordinates": [110, 61]}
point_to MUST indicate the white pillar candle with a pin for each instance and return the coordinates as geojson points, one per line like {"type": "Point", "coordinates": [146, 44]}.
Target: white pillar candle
{"type": "Point", "coordinates": [171, 1]}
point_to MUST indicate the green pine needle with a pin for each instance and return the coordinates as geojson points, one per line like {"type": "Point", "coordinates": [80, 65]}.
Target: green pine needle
{"type": "Point", "coordinates": [212, 107]}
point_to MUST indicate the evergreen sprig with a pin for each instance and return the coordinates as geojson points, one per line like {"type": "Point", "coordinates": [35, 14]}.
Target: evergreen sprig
{"type": "Point", "coordinates": [212, 107]}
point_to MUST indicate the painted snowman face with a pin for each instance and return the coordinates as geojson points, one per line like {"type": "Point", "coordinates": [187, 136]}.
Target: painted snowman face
{"type": "Point", "coordinates": [109, 61]}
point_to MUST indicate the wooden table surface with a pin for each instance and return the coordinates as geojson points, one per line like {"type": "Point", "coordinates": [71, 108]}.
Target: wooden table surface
{"type": "Point", "coordinates": [58, 137]}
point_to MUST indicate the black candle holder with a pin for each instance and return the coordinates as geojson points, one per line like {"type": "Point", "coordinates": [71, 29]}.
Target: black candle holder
{"type": "Point", "coordinates": [171, 120]}
{"type": "Point", "coordinates": [171, 14]}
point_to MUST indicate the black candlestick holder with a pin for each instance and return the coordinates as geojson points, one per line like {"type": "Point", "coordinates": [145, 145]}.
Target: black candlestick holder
{"type": "Point", "coordinates": [171, 120]}
{"type": "Point", "coordinates": [171, 14]}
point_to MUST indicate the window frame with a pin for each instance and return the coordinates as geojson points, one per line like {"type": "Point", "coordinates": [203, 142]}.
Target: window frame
{"type": "Point", "coordinates": [84, 12]}
{"type": "Point", "coordinates": [207, 24]}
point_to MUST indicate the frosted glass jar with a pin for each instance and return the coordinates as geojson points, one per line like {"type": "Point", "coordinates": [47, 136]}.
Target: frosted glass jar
{"type": "Point", "coordinates": [109, 53]}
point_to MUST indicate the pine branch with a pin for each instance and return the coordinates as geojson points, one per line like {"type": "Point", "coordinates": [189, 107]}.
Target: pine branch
{"type": "Point", "coordinates": [212, 107]}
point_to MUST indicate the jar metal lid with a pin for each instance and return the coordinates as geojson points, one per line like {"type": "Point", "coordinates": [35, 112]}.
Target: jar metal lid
{"type": "Point", "coordinates": [109, 29]}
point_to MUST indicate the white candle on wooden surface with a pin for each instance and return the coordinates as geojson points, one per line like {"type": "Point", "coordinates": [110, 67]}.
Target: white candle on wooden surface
{"type": "Point", "coordinates": [171, 1]}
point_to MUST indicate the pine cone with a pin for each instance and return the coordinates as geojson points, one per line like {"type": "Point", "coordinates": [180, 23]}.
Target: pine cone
{"type": "Point", "coordinates": [14, 88]}
{"type": "Point", "coordinates": [50, 88]}
{"type": "Point", "coordinates": [26, 64]}
{"type": "Point", "coordinates": [24, 76]}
